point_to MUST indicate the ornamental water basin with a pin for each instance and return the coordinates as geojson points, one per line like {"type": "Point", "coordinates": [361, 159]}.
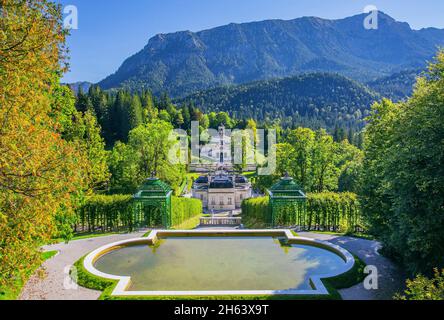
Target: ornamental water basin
{"type": "Point", "coordinates": [214, 263]}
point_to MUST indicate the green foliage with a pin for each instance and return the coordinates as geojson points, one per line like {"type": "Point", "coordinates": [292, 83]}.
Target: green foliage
{"type": "Point", "coordinates": [316, 162]}
{"type": "Point", "coordinates": [12, 291]}
{"type": "Point", "coordinates": [312, 100]}
{"type": "Point", "coordinates": [423, 288]}
{"type": "Point", "coordinates": [146, 152]}
{"type": "Point", "coordinates": [184, 209]}
{"type": "Point", "coordinates": [92, 145]}
{"type": "Point", "coordinates": [41, 172]}
{"type": "Point", "coordinates": [403, 174]}
{"type": "Point", "coordinates": [397, 86]}
{"type": "Point", "coordinates": [88, 280]}
{"type": "Point", "coordinates": [323, 165]}
{"type": "Point", "coordinates": [101, 213]}
{"type": "Point", "coordinates": [256, 212]}
{"type": "Point", "coordinates": [135, 112]}
{"type": "Point", "coordinates": [323, 211]}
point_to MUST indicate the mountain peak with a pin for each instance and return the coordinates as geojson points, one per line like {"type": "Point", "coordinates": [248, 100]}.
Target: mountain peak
{"type": "Point", "coordinates": [183, 62]}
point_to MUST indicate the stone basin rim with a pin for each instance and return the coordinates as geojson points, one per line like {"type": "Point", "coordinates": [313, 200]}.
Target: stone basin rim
{"type": "Point", "coordinates": [123, 282]}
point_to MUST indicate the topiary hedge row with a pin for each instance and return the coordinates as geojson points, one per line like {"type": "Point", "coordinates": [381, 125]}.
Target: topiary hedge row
{"type": "Point", "coordinates": [333, 212]}
{"type": "Point", "coordinates": [105, 213]}
{"type": "Point", "coordinates": [322, 211]}
{"type": "Point", "coordinates": [256, 212]}
{"type": "Point", "coordinates": [184, 209]}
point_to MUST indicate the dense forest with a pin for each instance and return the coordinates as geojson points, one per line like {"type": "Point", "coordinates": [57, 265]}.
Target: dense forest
{"type": "Point", "coordinates": [316, 100]}
{"type": "Point", "coordinates": [119, 112]}
{"type": "Point", "coordinates": [396, 87]}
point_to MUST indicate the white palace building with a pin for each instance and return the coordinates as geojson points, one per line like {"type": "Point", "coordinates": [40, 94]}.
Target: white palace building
{"type": "Point", "coordinates": [218, 189]}
{"type": "Point", "coordinates": [222, 191]}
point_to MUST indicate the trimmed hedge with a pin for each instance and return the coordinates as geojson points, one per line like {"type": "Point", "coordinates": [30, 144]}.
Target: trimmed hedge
{"type": "Point", "coordinates": [184, 209]}
{"type": "Point", "coordinates": [333, 212]}
{"type": "Point", "coordinates": [323, 211]}
{"type": "Point", "coordinates": [104, 213]}
{"type": "Point", "coordinates": [256, 212]}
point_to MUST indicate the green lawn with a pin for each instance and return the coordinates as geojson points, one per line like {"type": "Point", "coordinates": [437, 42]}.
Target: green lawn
{"type": "Point", "coordinates": [353, 235]}
{"type": "Point", "coordinates": [12, 293]}
{"type": "Point", "coordinates": [250, 174]}
{"type": "Point", "coordinates": [189, 224]}
{"type": "Point", "coordinates": [82, 236]}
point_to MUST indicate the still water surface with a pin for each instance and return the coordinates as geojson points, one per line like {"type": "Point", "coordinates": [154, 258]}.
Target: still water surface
{"type": "Point", "coordinates": [220, 264]}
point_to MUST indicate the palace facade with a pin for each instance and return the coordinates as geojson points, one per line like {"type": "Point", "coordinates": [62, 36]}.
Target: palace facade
{"type": "Point", "coordinates": [222, 191]}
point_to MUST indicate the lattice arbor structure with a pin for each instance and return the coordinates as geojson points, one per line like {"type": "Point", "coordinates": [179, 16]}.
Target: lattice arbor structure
{"type": "Point", "coordinates": [288, 204]}
{"type": "Point", "coordinates": [152, 204]}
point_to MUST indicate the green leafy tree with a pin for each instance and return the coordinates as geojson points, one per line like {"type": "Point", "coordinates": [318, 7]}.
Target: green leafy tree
{"type": "Point", "coordinates": [403, 179]}
{"type": "Point", "coordinates": [135, 113]}
{"type": "Point", "coordinates": [124, 179]}
{"type": "Point", "coordinates": [99, 100]}
{"type": "Point", "coordinates": [146, 152]}
{"type": "Point", "coordinates": [164, 116]}
{"type": "Point", "coordinates": [323, 162]}
{"type": "Point", "coordinates": [423, 288]}
{"type": "Point", "coordinates": [92, 145]}
{"type": "Point", "coordinates": [205, 122]}
{"type": "Point", "coordinates": [349, 162]}
{"type": "Point", "coordinates": [83, 102]}
{"type": "Point", "coordinates": [179, 120]}
{"type": "Point", "coordinates": [150, 112]}
{"type": "Point", "coordinates": [302, 142]}
{"type": "Point", "coordinates": [40, 172]}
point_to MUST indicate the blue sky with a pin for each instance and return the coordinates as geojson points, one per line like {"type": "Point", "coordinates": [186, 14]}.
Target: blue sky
{"type": "Point", "coordinates": [112, 30]}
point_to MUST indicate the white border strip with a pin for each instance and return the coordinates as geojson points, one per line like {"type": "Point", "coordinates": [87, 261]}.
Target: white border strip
{"type": "Point", "coordinates": [124, 282]}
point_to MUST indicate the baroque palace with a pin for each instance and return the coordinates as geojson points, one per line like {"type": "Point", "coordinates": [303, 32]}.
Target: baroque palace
{"type": "Point", "coordinates": [219, 189]}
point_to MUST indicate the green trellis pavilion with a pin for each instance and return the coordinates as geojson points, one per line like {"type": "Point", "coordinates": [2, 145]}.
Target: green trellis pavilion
{"type": "Point", "coordinates": [287, 196]}
{"type": "Point", "coordinates": [152, 204]}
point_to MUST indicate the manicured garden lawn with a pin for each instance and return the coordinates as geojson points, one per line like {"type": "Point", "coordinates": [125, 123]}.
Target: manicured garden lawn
{"type": "Point", "coordinates": [83, 236]}
{"type": "Point", "coordinates": [12, 293]}
{"type": "Point", "coordinates": [189, 224]}
{"type": "Point", "coordinates": [352, 235]}
{"type": "Point", "coordinates": [249, 174]}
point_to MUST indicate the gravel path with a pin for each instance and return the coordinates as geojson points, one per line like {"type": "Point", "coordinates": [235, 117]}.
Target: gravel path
{"type": "Point", "coordinates": [56, 270]}
{"type": "Point", "coordinates": [52, 285]}
{"type": "Point", "coordinates": [391, 279]}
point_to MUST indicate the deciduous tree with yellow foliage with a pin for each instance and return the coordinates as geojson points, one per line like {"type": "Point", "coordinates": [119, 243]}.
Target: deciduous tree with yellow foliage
{"type": "Point", "coordinates": [40, 172]}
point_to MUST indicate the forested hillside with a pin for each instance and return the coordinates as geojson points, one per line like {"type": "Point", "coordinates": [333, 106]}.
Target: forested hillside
{"type": "Point", "coordinates": [397, 86]}
{"type": "Point", "coordinates": [313, 100]}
